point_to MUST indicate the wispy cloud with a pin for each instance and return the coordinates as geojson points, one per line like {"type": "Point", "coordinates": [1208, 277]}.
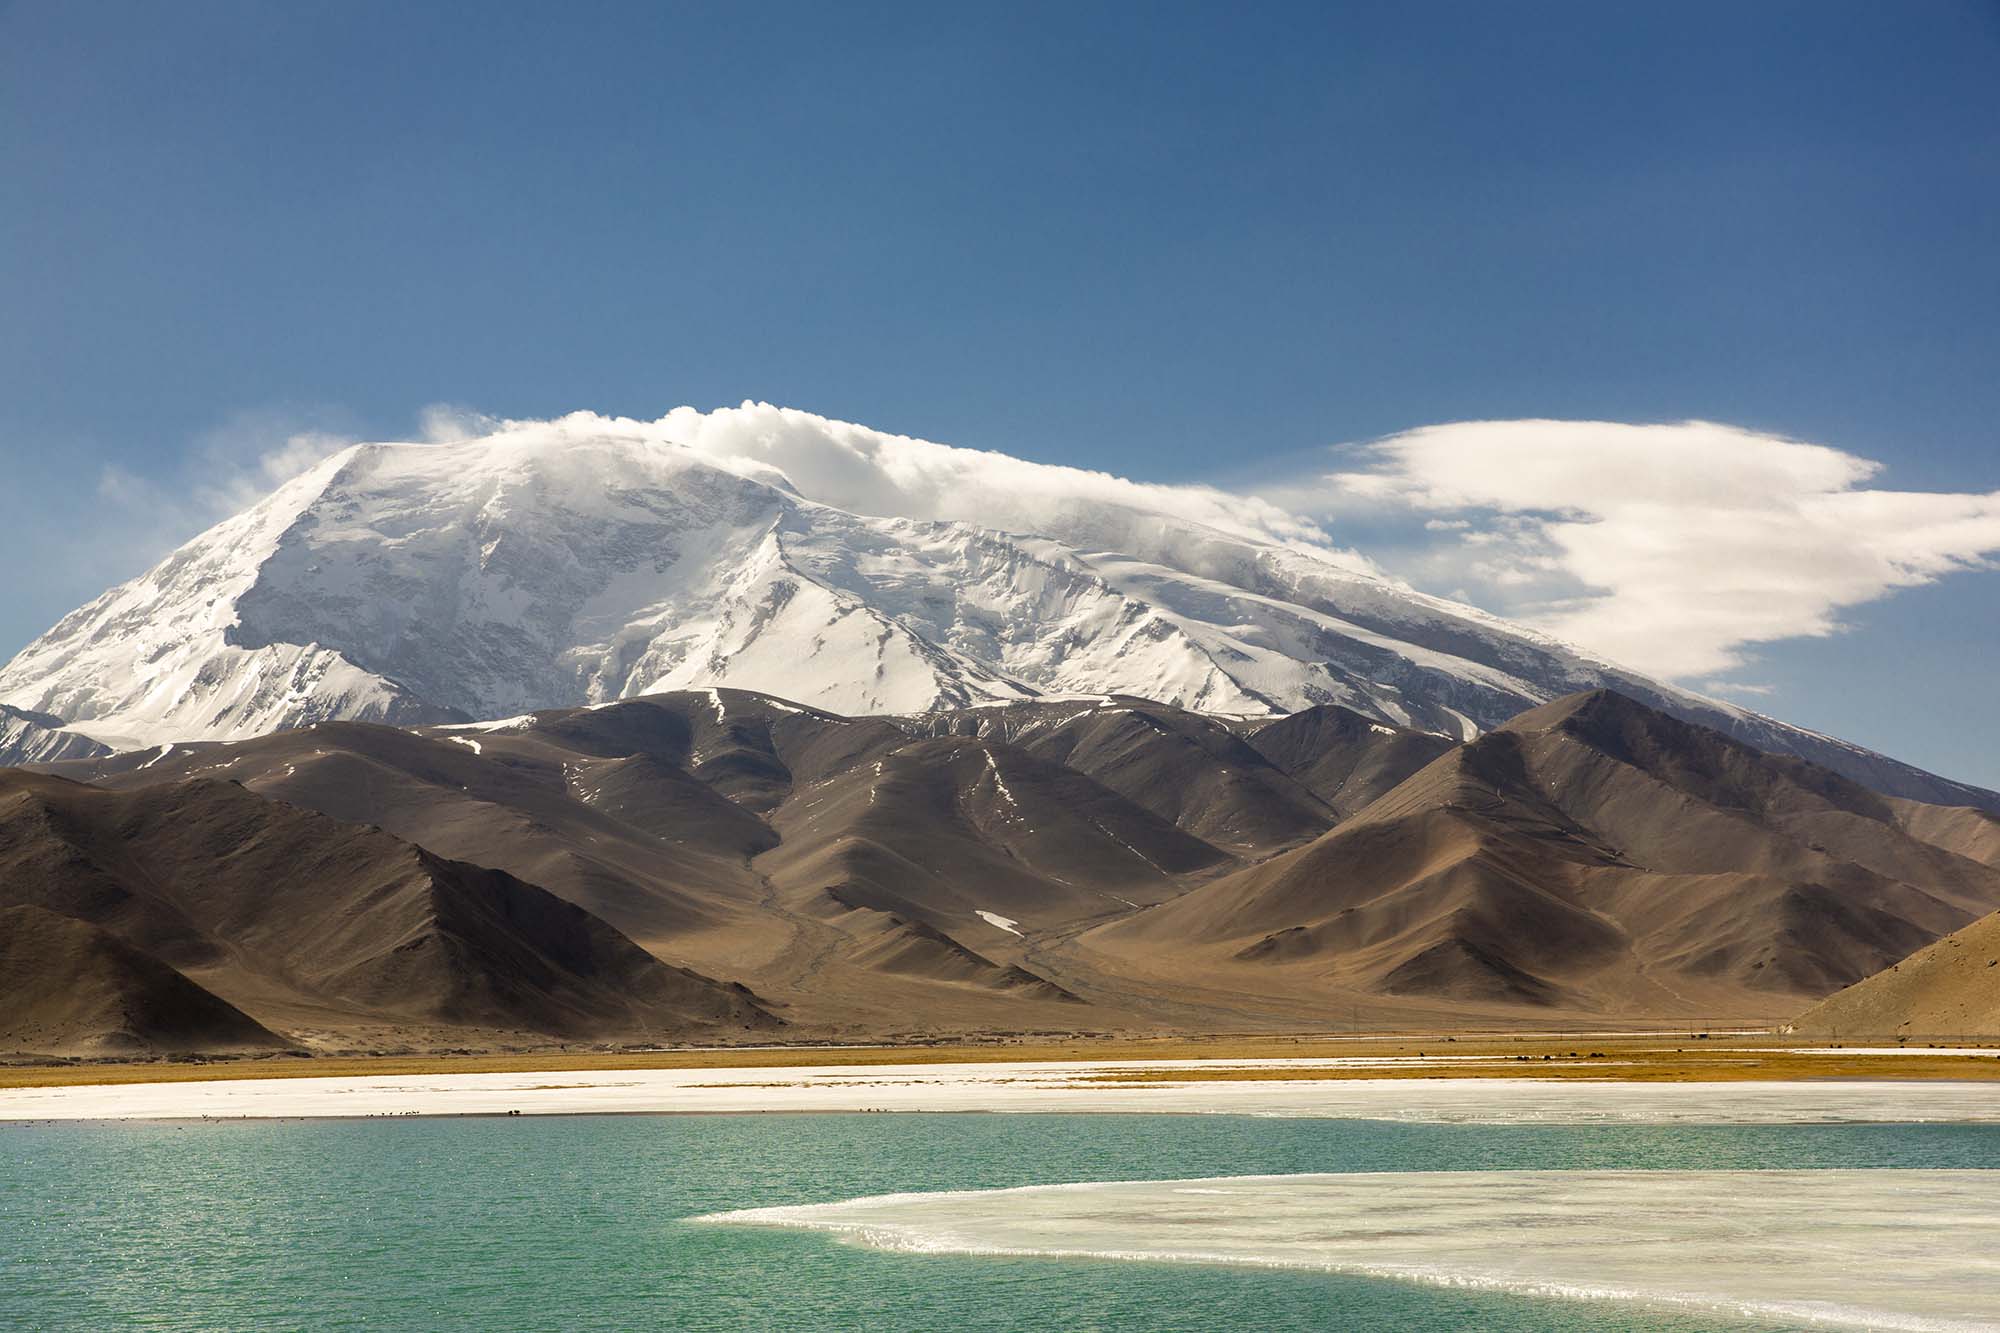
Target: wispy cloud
{"type": "Point", "coordinates": [222, 472]}
{"type": "Point", "coordinates": [447, 423]}
{"type": "Point", "coordinates": [1673, 548]}
{"type": "Point", "coordinates": [874, 472]}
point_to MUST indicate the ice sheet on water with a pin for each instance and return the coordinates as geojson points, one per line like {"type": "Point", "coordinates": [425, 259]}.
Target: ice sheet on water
{"type": "Point", "coordinates": [1888, 1249]}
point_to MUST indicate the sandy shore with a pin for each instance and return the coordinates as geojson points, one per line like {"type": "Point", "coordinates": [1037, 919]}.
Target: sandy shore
{"type": "Point", "coordinates": [1349, 1088]}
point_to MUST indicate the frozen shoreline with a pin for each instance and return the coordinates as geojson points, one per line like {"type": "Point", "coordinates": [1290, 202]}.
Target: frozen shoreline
{"type": "Point", "coordinates": [1022, 1087]}
{"type": "Point", "coordinates": [1879, 1249]}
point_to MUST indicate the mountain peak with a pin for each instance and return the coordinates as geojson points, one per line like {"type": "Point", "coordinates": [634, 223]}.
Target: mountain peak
{"type": "Point", "coordinates": [1600, 702]}
{"type": "Point", "coordinates": [589, 559]}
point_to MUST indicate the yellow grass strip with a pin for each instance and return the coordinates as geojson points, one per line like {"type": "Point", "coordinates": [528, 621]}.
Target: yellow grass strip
{"type": "Point", "coordinates": [1645, 1057]}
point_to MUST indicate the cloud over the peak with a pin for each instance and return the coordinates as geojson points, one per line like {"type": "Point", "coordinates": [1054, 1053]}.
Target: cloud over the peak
{"type": "Point", "coordinates": [1671, 548]}
{"type": "Point", "coordinates": [873, 472]}
{"type": "Point", "coordinates": [224, 471]}
{"type": "Point", "coordinates": [1668, 547]}
{"type": "Point", "coordinates": [867, 471]}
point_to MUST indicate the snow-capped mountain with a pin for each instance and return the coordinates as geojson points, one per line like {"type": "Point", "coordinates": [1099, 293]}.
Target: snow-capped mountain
{"type": "Point", "coordinates": [594, 559]}
{"type": "Point", "coordinates": [37, 738]}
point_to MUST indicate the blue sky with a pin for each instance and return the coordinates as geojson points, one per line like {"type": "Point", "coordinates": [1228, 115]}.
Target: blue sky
{"type": "Point", "coordinates": [1180, 242]}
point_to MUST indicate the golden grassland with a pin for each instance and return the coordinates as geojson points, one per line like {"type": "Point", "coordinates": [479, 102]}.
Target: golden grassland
{"type": "Point", "coordinates": [1654, 1057]}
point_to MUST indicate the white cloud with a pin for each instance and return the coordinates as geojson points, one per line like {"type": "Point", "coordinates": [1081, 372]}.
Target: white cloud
{"type": "Point", "coordinates": [1668, 547]}
{"type": "Point", "coordinates": [1731, 689]}
{"type": "Point", "coordinates": [833, 462]}
{"type": "Point", "coordinates": [873, 472]}
{"type": "Point", "coordinates": [447, 423]}
{"type": "Point", "coordinates": [223, 471]}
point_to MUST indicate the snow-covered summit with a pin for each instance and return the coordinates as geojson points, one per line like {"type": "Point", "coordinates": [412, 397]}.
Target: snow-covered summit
{"type": "Point", "coordinates": [591, 559]}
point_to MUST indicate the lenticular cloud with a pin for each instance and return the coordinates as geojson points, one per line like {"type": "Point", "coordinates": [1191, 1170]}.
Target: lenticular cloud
{"type": "Point", "coordinates": [1668, 547]}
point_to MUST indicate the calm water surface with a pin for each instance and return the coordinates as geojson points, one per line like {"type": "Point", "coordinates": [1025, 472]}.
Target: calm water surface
{"type": "Point", "coordinates": [578, 1222]}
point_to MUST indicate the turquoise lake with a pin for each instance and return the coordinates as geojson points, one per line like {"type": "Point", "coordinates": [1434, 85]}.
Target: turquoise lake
{"type": "Point", "coordinates": [579, 1222]}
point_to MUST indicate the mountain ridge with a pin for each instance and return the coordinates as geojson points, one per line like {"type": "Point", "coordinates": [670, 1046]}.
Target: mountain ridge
{"type": "Point", "coordinates": [291, 916]}
{"type": "Point", "coordinates": [1591, 846]}
{"type": "Point", "coordinates": [410, 584]}
{"type": "Point", "coordinates": [1115, 864]}
{"type": "Point", "coordinates": [1948, 988]}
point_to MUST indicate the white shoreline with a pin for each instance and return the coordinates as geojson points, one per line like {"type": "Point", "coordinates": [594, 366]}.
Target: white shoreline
{"type": "Point", "coordinates": [1041, 1086]}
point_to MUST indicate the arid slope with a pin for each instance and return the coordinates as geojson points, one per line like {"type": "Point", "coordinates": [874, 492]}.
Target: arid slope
{"type": "Point", "coordinates": [1592, 855]}
{"type": "Point", "coordinates": [617, 873]}
{"type": "Point", "coordinates": [307, 923]}
{"type": "Point", "coordinates": [70, 988]}
{"type": "Point", "coordinates": [1947, 989]}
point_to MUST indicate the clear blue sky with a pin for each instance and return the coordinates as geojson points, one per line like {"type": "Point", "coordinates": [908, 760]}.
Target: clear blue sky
{"type": "Point", "coordinates": [1167, 240]}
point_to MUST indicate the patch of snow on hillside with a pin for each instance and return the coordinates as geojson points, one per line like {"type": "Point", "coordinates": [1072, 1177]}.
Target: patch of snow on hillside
{"type": "Point", "coordinates": [1006, 923]}
{"type": "Point", "coordinates": [1000, 783]}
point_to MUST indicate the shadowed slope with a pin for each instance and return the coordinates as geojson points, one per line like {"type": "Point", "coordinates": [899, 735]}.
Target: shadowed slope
{"type": "Point", "coordinates": [69, 988]}
{"type": "Point", "coordinates": [1345, 759]}
{"type": "Point", "coordinates": [663, 815]}
{"type": "Point", "coordinates": [299, 919]}
{"type": "Point", "coordinates": [1595, 854]}
{"type": "Point", "coordinates": [644, 812]}
{"type": "Point", "coordinates": [984, 867]}
{"type": "Point", "coordinates": [1948, 988]}
{"type": "Point", "coordinates": [940, 830]}
{"type": "Point", "coordinates": [1192, 770]}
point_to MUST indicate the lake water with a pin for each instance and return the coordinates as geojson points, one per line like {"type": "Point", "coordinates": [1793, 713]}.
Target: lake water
{"type": "Point", "coordinates": [581, 1222]}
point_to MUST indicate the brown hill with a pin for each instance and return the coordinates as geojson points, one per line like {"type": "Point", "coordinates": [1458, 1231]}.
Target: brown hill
{"type": "Point", "coordinates": [306, 922]}
{"type": "Point", "coordinates": [1950, 988]}
{"type": "Point", "coordinates": [956, 839]}
{"type": "Point", "coordinates": [1195, 772]}
{"type": "Point", "coordinates": [1972, 833]}
{"type": "Point", "coordinates": [1345, 759]}
{"type": "Point", "coordinates": [665, 815]}
{"type": "Point", "coordinates": [988, 868]}
{"type": "Point", "coordinates": [69, 988]}
{"type": "Point", "coordinates": [911, 948]}
{"type": "Point", "coordinates": [943, 829]}
{"type": "Point", "coordinates": [1592, 855]}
